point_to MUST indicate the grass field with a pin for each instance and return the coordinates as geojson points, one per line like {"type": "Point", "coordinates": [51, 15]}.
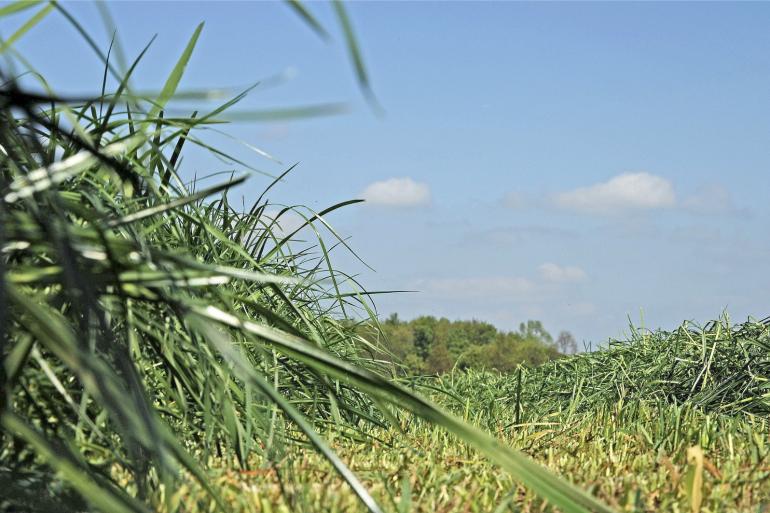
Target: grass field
{"type": "Point", "coordinates": [636, 443]}
{"type": "Point", "coordinates": [164, 349]}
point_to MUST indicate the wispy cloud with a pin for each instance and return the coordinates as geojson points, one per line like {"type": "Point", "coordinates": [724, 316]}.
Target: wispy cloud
{"type": "Point", "coordinates": [505, 236]}
{"type": "Point", "coordinates": [711, 199]}
{"type": "Point", "coordinates": [561, 274]}
{"type": "Point", "coordinates": [397, 192]}
{"type": "Point", "coordinates": [628, 191]}
{"type": "Point", "coordinates": [490, 287]}
{"type": "Point", "coordinates": [504, 287]}
{"type": "Point", "coordinates": [515, 200]}
{"type": "Point", "coordinates": [581, 308]}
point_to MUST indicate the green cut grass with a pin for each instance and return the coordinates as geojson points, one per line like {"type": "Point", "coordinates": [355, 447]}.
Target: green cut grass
{"type": "Point", "coordinates": [635, 450]}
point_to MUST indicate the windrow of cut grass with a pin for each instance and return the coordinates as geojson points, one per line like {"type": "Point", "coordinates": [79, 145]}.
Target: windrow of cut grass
{"type": "Point", "coordinates": [719, 368]}
{"type": "Point", "coordinates": [638, 454]}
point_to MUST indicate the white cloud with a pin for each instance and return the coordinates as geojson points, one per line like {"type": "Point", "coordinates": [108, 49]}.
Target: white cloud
{"type": "Point", "coordinates": [558, 274]}
{"type": "Point", "coordinates": [628, 191]}
{"type": "Point", "coordinates": [397, 192]}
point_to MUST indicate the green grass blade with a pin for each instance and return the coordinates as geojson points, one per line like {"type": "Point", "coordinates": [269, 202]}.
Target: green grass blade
{"type": "Point", "coordinates": [172, 82]}
{"type": "Point", "coordinates": [354, 51]}
{"type": "Point", "coordinates": [26, 27]}
{"type": "Point", "coordinates": [171, 205]}
{"type": "Point", "coordinates": [246, 372]}
{"type": "Point", "coordinates": [100, 496]}
{"type": "Point", "coordinates": [18, 6]}
{"type": "Point", "coordinates": [302, 11]}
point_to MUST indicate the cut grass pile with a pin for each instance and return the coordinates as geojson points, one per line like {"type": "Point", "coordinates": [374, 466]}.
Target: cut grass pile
{"type": "Point", "coordinates": [637, 445]}
{"type": "Point", "coordinates": [720, 368]}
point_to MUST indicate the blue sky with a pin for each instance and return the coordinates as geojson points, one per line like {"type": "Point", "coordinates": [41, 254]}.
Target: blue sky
{"type": "Point", "coordinates": [573, 163]}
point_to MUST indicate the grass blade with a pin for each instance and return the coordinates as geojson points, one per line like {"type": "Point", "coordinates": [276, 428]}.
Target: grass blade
{"type": "Point", "coordinates": [172, 82]}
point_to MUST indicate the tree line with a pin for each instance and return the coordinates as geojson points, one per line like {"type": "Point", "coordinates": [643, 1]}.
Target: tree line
{"type": "Point", "coordinates": [430, 345]}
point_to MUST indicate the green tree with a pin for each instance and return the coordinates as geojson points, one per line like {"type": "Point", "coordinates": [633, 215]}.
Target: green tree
{"type": "Point", "coordinates": [439, 360]}
{"type": "Point", "coordinates": [428, 344]}
{"type": "Point", "coordinates": [424, 328]}
{"type": "Point", "coordinates": [399, 341]}
{"type": "Point", "coordinates": [535, 329]}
